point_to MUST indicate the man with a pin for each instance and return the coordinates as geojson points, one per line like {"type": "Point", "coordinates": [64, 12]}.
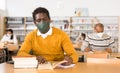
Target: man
{"type": "Point", "coordinates": [98, 41]}
{"type": "Point", "coordinates": [47, 43]}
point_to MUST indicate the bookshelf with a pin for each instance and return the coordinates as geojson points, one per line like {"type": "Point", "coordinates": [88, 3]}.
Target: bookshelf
{"type": "Point", "coordinates": [21, 26]}
{"type": "Point", "coordinates": [73, 25]}
{"type": "Point", "coordinates": [29, 24]}
{"type": "Point", "coordinates": [61, 23]}
{"type": "Point", "coordinates": [17, 25]}
{"type": "Point", "coordinates": [86, 24]}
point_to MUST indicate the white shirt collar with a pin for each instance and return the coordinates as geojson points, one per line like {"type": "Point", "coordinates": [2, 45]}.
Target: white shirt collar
{"type": "Point", "coordinates": [46, 34]}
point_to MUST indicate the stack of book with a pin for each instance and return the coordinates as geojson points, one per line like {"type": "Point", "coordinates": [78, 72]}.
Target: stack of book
{"type": "Point", "coordinates": [25, 62]}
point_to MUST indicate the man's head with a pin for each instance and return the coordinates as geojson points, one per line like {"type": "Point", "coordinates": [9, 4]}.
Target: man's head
{"type": "Point", "coordinates": [99, 28]}
{"type": "Point", "coordinates": [41, 19]}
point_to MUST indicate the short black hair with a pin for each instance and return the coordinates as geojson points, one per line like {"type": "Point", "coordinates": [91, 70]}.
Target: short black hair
{"type": "Point", "coordinates": [83, 35]}
{"type": "Point", "coordinates": [40, 10]}
{"type": "Point", "coordinates": [10, 30]}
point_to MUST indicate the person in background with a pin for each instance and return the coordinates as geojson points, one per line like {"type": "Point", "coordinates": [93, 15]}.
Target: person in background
{"type": "Point", "coordinates": [98, 41]}
{"type": "Point", "coordinates": [81, 37]}
{"type": "Point", "coordinates": [47, 43]}
{"type": "Point", "coordinates": [78, 42]}
{"type": "Point", "coordinates": [9, 38]}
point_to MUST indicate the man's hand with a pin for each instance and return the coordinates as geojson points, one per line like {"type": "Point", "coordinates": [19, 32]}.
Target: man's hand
{"type": "Point", "coordinates": [87, 49]}
{"type": "Point", "coordinates": [108, 50]}
{"type": "Point", "coordinates": [41, 59]}
{"type": "Point", "coordinates": [68, 59]}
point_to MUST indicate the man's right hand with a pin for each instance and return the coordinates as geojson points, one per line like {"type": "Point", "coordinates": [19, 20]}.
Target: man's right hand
{"type": "Point", "coordinates": [87, 49]}
{"type": "Point", "coordinates": [41, 59]}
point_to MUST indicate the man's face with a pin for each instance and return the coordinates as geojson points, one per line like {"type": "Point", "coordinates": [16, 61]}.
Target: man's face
{"type": "Point", "coordinates": [41, 17]}
{"type": "Point", "coordinates": [98, 29]}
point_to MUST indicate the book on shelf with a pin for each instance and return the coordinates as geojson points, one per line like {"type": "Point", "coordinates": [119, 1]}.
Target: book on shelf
{"type": "Point", "coordinates": [53, 65]}
{"type": "Point", "coordinates": [25, 62]}
{"type": "Point", "coordinates": [14, 22]}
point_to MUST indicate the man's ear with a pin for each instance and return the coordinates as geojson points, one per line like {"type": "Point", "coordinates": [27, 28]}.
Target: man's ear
{"type": "Point", "coordinates": [34, 22]}
{"type": "Point", "coordinates": [51, 21]}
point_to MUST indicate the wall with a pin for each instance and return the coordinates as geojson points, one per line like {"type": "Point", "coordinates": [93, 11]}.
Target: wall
{"type": "Point", "coordinates": [2, 8]}
{"type": "Point", "coordinates": [2, 4]}
{"type": "Point", "coordinates": [64, 7]}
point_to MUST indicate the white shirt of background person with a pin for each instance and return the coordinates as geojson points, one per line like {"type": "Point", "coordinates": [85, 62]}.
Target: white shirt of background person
{"type": "Point", "coordinates": [7, 38]}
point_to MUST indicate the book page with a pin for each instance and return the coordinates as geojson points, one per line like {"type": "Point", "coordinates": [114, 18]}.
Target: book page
{"type": "Point", "coordinates": [55, 64]}
{"type": "Point", "coordinates": [47, 65]}
{"type": "Point", "coordinates": [52, 65]}
{"type": "Point", "coordinates": [69, 66]}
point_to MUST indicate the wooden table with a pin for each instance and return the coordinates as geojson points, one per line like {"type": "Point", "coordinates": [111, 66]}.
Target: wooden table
{"type": "Point", "coordinates": [12, 47]}
{"type": "Point", "coordinates": [99, 55]}
{"type": "Point", "coordinates": [79, 68]}
{"type": "Point", "coordinates": [93, 54]}
{"type": "Point", "coordinates": [114, 55]}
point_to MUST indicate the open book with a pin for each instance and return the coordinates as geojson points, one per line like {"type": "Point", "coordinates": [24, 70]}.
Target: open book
{"type": "Point", "coordinates": [52, 65]}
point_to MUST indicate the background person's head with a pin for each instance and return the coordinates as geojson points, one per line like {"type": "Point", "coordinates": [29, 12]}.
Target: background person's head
{"type": "Point", "coordinates": [41, 19]}
{"type": "Point", "coordinates": [99, 28]}
{"type": "Point", "coordinates": [10, 33]}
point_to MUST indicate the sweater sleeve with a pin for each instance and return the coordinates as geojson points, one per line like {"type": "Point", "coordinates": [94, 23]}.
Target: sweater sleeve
{"type": "Point", "coordinates": [26, 46]}
{"type": "Point", "coordinates": [68, 48]}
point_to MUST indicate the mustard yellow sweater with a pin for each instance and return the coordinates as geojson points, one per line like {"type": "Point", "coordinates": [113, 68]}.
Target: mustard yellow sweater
{"type": "Point", "coordinates": [52, 47]}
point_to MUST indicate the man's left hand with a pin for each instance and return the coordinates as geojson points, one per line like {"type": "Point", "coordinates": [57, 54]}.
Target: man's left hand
{"type": "Point", "coordinates": [68, 59]}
